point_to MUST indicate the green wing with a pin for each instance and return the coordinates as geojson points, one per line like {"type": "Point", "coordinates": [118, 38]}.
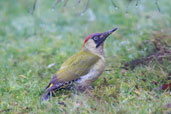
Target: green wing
{"type": "Point", "coordinates": [76, 66]}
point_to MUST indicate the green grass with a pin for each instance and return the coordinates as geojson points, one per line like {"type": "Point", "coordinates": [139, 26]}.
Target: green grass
{"type": "Point", "coordinates": [29, 43]}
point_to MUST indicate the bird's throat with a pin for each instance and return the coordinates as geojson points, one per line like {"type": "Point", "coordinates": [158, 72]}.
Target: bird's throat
{"type": "Point", "coordinates": [99, 51]}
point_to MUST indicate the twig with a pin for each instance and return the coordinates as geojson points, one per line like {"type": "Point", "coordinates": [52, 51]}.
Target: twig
{"type": "Point", "coordinates": [127, 7]}
{"type": "Point", "coordinates": [142, 61]}
{"type": "Point", "coordinates": [137, 2]}
{"type": "Point", "coordinates": [157, 5]}
{"type": "Point", "coordinates": [34, 7]}
{"type": "Point", "coordinates": [66, 1]}
{"type": "Point", "coordinates": [114, 5]}
{"type": "Point", "coordinates": [56, 3]}
{"type": "Point", "coordinates": [108, 70]}
{"type": "Point", "coordinates": [86, 6]}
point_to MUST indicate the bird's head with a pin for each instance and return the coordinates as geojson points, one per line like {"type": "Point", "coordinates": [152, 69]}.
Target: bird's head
{"type": "Point", "coordinates": [94, 42]}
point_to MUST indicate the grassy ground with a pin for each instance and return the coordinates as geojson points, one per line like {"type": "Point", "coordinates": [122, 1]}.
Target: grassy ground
{"type": "Point", "coordinates": [30, 42]}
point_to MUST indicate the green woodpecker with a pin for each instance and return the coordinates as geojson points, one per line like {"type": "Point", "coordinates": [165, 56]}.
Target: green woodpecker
{"type": "Point", "coordinates": [84, 67]}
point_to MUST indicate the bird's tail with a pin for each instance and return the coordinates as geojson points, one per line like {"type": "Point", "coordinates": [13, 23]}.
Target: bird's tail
{"type": "Point", "coordinates": [51, 87]}
{"type": "Point", "coordinates": [45, 96]}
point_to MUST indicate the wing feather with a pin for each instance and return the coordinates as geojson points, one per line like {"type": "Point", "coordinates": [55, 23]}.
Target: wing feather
{"type": "Point", "coordinates": [76, 66]}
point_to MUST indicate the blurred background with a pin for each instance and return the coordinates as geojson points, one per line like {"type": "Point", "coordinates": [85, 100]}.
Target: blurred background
{"type": "Point", "coordinates": [37, 36]}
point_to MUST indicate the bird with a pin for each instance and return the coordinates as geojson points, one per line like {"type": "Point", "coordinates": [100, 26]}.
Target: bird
{"type": "Point", "coordinates": [81, 69]}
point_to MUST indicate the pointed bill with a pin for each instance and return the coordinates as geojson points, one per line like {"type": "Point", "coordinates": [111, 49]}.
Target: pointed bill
{"type": "Point", "coordinates": [104, 36]}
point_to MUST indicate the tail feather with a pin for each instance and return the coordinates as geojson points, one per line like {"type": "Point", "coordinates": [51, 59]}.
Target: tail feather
{"type": "Point", "coordinates": [47, 86]}
{"type": "Point", "coordinates": [45, 96]}
{"type": "Point", "coordinates": [49, 89]}
{"type": "Point", "coordinates": [55, 85]}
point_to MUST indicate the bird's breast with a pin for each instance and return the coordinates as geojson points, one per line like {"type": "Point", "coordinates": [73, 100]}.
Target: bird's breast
{"type": "Point", "coordinates": [96, 70]}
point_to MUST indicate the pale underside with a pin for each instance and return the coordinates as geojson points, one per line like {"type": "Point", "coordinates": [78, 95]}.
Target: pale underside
{"type": "Point", "coordinates": [78, 68]}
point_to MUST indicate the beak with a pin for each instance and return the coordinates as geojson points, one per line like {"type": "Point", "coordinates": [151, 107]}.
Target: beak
{"type": "Point", "coordinates": [104, 36]}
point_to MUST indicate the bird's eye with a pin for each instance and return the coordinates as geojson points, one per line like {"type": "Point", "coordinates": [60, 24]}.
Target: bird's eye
{"type": "Point", "coordinates": [95, 38]}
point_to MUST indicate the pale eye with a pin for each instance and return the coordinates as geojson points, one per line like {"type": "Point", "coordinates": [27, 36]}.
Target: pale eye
{"type": "Point", "coordinates": [95, 38]}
